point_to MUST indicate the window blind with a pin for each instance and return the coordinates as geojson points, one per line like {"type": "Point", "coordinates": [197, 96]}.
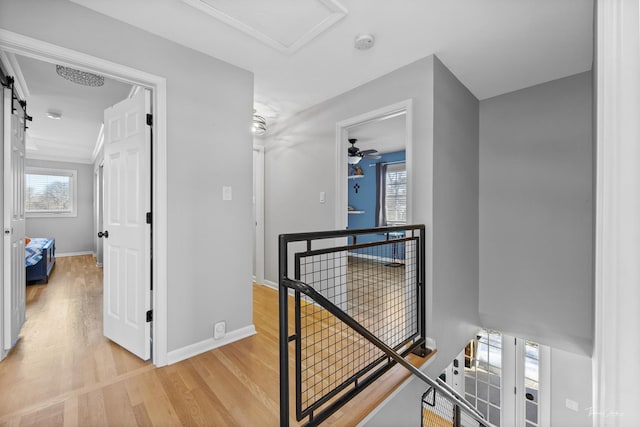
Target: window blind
{"type": "Point", "coordinates": [48, 193]}
{"type": "Point", "coordinates": [396, 194]}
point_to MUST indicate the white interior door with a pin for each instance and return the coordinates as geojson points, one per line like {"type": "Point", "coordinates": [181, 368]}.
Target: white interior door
{"type": "Point", "coordinates": [127, 258]}
{"type": "Point", "coordinates": [14, 221]}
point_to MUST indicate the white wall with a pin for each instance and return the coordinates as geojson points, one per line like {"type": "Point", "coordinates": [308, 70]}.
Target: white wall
{"type": "Point", "coordinates": [536, 220]}
{"type": "Point", "coordinates": [72, 234]}
{"type": "Point", "coordinates": [209, 109]}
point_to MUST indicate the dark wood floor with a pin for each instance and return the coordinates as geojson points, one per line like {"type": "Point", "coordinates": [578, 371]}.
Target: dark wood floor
{"type": "Point", "coordinates": [63, 372]}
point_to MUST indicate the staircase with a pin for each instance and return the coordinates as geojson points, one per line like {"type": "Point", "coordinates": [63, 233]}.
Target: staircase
{"type": "Point", "coordinates": [359, 310]}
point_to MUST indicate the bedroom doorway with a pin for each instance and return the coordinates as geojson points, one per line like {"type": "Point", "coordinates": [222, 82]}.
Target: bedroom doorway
{"type": "Point", "coordinates": [35, 49]}
{"type": "Point", "coordinates": [401, 115]}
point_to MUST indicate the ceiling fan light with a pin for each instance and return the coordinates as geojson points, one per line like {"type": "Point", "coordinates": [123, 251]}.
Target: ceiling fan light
{"type": "Point", "coordinates": [54, 115]}
{"type": "Point", "coordinates": [353, 160]}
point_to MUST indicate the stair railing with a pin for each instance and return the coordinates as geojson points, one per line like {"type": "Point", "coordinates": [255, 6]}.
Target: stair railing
{"type": "Point", "coordinates": [329, 314]}
{"type": "Point", "coordinates": [376, 278]}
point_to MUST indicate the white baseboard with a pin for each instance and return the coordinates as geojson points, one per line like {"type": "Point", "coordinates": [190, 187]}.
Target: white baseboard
{"type": "Point", "coordinates": [275, 286]}
{"type": "Point", "coordinates": [271, 284]}
{"type": "Point", "coordinates": [65, 254]}
{"type": "Point", "coordinates": [375, 258]}
{"type": "Point", "coordinates": [186, 352]}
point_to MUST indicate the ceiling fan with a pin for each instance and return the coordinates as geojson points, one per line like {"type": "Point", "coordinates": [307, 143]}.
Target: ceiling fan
{"type": "Point", "coordinates": [355, 154]}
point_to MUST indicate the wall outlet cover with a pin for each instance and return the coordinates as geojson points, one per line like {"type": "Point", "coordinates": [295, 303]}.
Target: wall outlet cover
{"type": "Point", "coordinates": [572, 404]}
{"type": "Point", "coordinates": [219, 330]}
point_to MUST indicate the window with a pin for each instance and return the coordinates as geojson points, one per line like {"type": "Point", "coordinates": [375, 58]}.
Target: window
{"type": "Point", "coordinates": [396, 194]}
{"type": "Point", "coordinates": [531, 383]}
{"type": "Point", "coordinates": [483, 374]}
{"type": "Point", "coordinates": [50, 192]}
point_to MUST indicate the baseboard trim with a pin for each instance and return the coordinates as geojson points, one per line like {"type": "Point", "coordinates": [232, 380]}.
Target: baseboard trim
{"type": "Point", "coordinates": [275, 286]}
{"type": "Point", "coordinates": [192, 350]}
{"type": "Point", "coordinates": [376, 258]}
{"type": "Point", "coordinates": [271, 284]}
{"type": "Point", "coordinates": [66, 254]}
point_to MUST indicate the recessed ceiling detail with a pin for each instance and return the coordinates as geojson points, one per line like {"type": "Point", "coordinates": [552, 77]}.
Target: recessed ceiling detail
{"type": "Point", "coordinates": [285, 25]}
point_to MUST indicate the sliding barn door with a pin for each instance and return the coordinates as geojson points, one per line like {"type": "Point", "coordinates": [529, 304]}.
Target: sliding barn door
{"type": "Point", "coordinates": [14, 220]}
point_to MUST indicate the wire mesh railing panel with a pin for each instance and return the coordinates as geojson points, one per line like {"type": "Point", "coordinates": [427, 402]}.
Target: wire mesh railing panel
{"type": "Point", "coordinates": [376, 283]}
{"type": "Point", "coordinates": [437, 411]}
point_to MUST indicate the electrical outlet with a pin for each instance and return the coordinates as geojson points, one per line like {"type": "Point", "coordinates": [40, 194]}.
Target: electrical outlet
{"type": "Point", "coordinates": [219, 330]}
{"type": "Point", "coordinates": [572, 404]}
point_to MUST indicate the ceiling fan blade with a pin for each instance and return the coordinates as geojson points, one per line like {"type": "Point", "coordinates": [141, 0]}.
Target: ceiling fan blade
{"type": "Point", "coordinates": [372, 156]}
{"type": "Point", "coordinates": [371, 151]}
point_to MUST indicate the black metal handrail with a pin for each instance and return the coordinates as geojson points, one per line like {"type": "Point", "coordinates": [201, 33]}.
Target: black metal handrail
{"type": "Point", "coordinates": [409, 338]}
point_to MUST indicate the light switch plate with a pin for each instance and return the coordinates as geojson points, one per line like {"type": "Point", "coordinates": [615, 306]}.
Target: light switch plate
{"type": "Point", "coordinates": [226, 193]}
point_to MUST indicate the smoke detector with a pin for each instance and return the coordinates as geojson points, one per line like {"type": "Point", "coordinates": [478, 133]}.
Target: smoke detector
{"type": "Point", "coordinates": [364, 41]}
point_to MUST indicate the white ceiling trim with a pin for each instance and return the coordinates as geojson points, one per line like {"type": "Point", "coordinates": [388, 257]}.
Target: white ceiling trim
{"type": "Point", "coordinates": [337, 12]}
{"type": "Point", "coordinates": [12, 68]}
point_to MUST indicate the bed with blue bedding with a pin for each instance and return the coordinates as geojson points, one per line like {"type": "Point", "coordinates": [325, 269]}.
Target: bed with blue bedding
{"type": "Point", "coordinates": [40, 257]}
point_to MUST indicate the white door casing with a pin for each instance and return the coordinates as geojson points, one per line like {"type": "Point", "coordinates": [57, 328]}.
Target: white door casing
{"type": "Point", "coordinates": [258, 211]}
{"type": "Point", "coordinates": [127, 259]}
{"type": "Point", "coordinates": [14, 221]}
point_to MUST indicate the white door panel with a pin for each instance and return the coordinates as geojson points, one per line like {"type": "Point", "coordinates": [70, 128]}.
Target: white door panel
{"type": "Point", "coordinates": [127, 280]}
{"type": "Point", "coordinates": [14, 221]}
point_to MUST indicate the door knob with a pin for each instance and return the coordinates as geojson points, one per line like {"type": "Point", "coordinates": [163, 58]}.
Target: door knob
{"type": "Point", "coordinates": [105, 234]}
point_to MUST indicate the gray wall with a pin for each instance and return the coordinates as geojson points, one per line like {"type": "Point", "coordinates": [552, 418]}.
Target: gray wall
{"type": "Point", "coordinates": [570, 379]}
{"type": "Point", "coordinates": [300, 163]}
{"type": "Point", "coordinates": [209, 109]}
{"type": "Point", "coordinates": [72, 234]}
{"type": "Point", "coordinates": [455, 214]}
{"type": "Point", "coordinates": [536, 220]}
{"type": "Point", "coordinates": [454, 315]}
{"type": "Point", "coordinates": [300, 155]}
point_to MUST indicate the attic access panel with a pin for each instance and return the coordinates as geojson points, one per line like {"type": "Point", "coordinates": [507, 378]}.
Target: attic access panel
{"type": "Point", "coordinates": [285, 25]}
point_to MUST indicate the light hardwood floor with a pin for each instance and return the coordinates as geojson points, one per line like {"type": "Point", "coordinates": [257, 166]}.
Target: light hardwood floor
{"type": "Point", "coordinates": [63, 372]}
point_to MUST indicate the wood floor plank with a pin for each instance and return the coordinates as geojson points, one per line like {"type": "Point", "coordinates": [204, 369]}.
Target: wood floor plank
{"type": "Point", "coordinates": [117, 405]}
{"type": "Point", "coordinates": [63, 372]}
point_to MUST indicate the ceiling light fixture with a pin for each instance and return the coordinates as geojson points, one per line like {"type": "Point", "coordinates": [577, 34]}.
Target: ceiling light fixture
{"type": "Point", "coordinates": [80, 77]}
{"type": "Point", "coordinates": [259, 126]}
{"type": "Point", "coordinates": [54, 115]}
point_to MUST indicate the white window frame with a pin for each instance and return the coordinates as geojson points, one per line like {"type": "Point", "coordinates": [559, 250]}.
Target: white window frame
{"type": "Point", "coordinates": [512, 390]}
{"type": "Point", "coordinates": [395, 167]}
{"type": "Point", "coordinates": [73, 191]}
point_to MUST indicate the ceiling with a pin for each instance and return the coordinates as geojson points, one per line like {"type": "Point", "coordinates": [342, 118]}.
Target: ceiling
{"type": "Point", "coordinates": [302, 51]}
{"type": "Point", "coordinates": [72, 138]}
{"type": "Point", "coordinates": [386, 136]}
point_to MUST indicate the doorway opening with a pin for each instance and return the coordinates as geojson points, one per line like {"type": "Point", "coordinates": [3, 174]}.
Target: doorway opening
{"type": "Point", "coordinates": [390, 129]}
{"type": "Point", "coordinates": [43, 51]}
